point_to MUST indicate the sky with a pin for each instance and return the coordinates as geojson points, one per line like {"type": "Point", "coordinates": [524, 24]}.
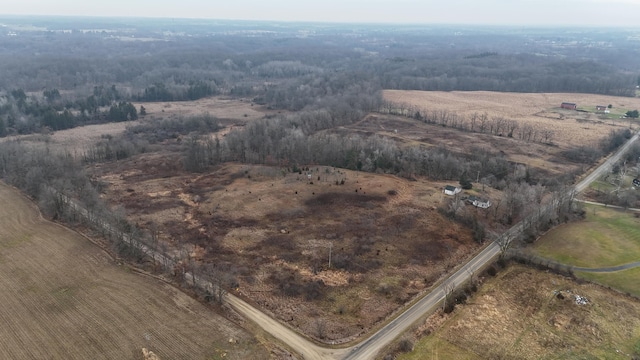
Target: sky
{"type": "Point", "coordinates": [493, 12]}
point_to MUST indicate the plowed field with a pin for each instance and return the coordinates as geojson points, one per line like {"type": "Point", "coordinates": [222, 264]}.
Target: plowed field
{"type": "Point", "coordinates": [64, 298]}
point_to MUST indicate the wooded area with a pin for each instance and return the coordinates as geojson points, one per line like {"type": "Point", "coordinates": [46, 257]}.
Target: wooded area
{"type": "Point", "coordinates": [86, 72]}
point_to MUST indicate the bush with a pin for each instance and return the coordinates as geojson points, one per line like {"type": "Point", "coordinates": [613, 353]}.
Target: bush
{"type": "Point", "coordinates": [491, 271]}
{"type": "Point", "coordinates": [405, 345]}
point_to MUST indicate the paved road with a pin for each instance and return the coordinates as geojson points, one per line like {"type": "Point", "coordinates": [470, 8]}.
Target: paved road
{"type": "Point", "coordinates": [371, 346]}
{"type": "Point", "coordinates": [607, 165]}
{"type": "Point", "coordinates": [368, 348]}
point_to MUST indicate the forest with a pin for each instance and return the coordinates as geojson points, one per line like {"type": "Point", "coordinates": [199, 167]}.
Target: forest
{"type": "Point", "coordinates": [57, 73]}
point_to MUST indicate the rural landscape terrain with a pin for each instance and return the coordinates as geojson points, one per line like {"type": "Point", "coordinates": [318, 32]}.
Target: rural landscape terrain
{"type": "Point", "coordinates": [323, 176]}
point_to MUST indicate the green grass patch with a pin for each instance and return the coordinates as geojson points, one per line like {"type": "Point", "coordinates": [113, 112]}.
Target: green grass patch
{"type": "Point", "coordinates": [607, 237]}
{"type": "Point", "coordinates": [627, 281]}
{"type": "Point", "coordinates": [602, 186]}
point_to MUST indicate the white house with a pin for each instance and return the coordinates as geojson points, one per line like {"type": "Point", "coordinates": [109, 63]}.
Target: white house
{"type": "Point", "coordinates": [478, 202]}
{"type": "Point", "coordinates": [451, 190]}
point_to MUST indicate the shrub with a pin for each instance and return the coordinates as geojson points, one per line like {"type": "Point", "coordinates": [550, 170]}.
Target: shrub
{"type": "Point", "coordinates": [491, 271]}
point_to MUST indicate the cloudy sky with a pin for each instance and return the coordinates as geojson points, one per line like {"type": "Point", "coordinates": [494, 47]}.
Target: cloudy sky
{"type": "Point", "coordinates": [498, 12]}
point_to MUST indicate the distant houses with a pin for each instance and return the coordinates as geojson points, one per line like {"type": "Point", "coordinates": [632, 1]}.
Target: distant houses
{"type": "Point", "coordinates": [602, 108]}
{"type": "Point", "coordinates": [451, 190]}
{"type": "Point", "coordinates": [569, 106]}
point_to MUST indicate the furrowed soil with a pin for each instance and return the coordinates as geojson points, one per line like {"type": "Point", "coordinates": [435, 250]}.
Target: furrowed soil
{"type": "Point", "coordinates": [524, 313]}
{"type": "Point", "coordinates": [64, 298]}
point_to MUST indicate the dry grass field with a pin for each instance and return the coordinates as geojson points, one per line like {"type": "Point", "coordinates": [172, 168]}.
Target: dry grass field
{"type": "Point", "coordinates": [570, 127]}
{"type": "Point", "coordinates": [64, 298]}
{"type": "Point", "coordinates": [217, 106]}
{"type": "Point", "coordinates": [541, 111]}
{"type": "Point", "coordinates": [275, 229]}
{"type": "Point", "coordinates": [231, 112]}
{"type": "Point", "coordinates": [519, 315]}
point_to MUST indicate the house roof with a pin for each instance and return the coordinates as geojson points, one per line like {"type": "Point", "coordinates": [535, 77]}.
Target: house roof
{"type": "Point", "coordinates": [567, 103]}
{"type": "Point", "coordinates": [449, 188]}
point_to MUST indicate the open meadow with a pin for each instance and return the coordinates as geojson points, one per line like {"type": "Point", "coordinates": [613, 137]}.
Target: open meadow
{"type": "Point", "coordinates": [525, 313]}
{"type": "Point", "coordinates": [75, 141]}
{"type": "Point", "coordinates": [342, 246]}
{"type": "Point", "coordinates": [530, 129]}
{"type": "Point", "coordinates": [64, 298]}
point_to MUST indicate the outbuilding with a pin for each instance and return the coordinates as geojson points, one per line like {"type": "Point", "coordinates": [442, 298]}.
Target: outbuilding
{"type": "Point", "coordinates": [452, 190]}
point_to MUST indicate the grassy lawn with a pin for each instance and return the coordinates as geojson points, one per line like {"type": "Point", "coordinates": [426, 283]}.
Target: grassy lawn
{"type": "Point", "coordinates": [627, 281]}
{"type": "Point", "coordinates": [607, 237]}
{"type": "Point", "coordinates": [603, 186]}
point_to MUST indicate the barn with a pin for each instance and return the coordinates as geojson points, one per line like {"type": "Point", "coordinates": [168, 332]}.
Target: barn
{"type": "Point", "coordinates": [569, 106]}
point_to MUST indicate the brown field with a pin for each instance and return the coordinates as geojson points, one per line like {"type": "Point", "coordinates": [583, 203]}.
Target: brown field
{"type": "Point", "coordinates": [542, 111]}
{"type": "Point", "coordinates": [64, 298]}
{"type": "Point", "coordinates": [274, 229]}
{"type": "Point", "coordinates": [518, 315]}
{"type": "Point", "coordinates": [217, 106]}
{"type": "Point", "coordinates": [231, 112]}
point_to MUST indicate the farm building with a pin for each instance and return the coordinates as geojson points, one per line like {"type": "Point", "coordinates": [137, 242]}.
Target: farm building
{"type": "Point", "coordinates": [568, 105]}
{"type": "Point", "coordinates": [478, 202]}
{"type": "Point", "coordinates": [601, 107]}
{"type": "Point", "coordinates": [451, 190]}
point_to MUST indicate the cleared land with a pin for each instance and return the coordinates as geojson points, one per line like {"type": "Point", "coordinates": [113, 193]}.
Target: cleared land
{"type": "Point", "coordinates": [274, 230]}
{"type": "Point", "coordinates": [519, 315]}
{"type": "Point", "coordinates": [64, 298]}
{"type": "Point", "coordinates": [217, 106]}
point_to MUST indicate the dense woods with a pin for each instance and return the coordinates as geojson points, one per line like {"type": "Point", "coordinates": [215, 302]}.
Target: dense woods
{"type": "Point", "coordinates": [82, 70]}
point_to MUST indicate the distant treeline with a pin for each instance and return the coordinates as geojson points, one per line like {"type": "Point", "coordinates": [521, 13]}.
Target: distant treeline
{"type": "Point", "coordinates": [281, 69]}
